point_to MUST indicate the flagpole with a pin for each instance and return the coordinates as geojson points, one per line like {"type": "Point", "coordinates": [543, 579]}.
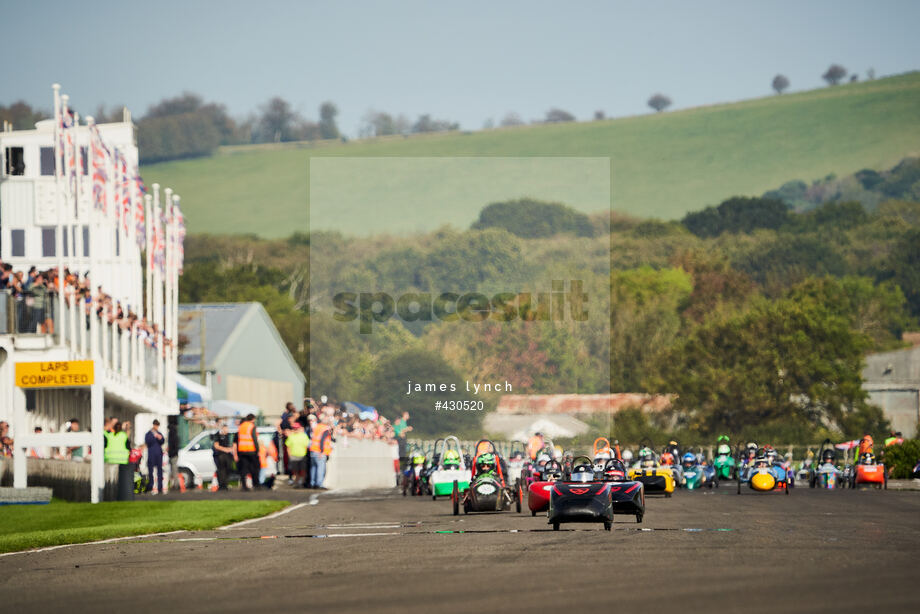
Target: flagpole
{"type": "Point", "coordinates": [158, 282]}
{"type": "Point", "coordinates": [148, 252]}
{"type": "Point", "coordinates": [61, 204]}
{"type": "Point", "coordinates": [177, 267]}
{"type": "Point", "coordinates": [167, 278]}
{"type": "Point", "coordinates": [94, 276]}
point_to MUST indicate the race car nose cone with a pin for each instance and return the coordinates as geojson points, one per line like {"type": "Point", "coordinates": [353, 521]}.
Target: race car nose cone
{"type": "Point", "coordinates": [763, 481]}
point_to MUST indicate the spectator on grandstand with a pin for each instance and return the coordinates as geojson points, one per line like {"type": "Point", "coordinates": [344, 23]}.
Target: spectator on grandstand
{"type": "Point", "coordinates": [39, 451]}
{"type": "Point", "coordinates": [76, 452]}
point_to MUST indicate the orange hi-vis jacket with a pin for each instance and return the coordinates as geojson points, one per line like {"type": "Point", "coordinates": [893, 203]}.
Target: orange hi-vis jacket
{"type": "Point", "coordinates": [245, 441]}
{"type": "Point", "coordinates": [534, 446]}
{"type": "Point", "coordinates": [321, 441]}
{"type": "Point", "coordinates": [266, 452]}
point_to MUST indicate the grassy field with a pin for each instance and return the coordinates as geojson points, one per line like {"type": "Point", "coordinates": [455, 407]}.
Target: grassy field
{"type": "Point", "coordinates": [31, 526]}
{"type": "Point", "coordinates": [661, 165]}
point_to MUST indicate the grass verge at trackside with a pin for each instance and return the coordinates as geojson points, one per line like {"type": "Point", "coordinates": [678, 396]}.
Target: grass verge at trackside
{"type": "Point", "coordinates": [662, 164]}
{"type": "Point", "coordinates": [36, 526]}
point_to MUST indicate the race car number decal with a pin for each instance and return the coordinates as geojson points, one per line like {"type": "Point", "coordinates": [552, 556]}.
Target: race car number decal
{"type": "Point", "coordinates": [485, 489]}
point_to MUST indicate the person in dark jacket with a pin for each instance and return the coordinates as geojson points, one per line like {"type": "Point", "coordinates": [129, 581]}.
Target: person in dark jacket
{"type": "Point", "coordinates": [172, 449]}
{"type": "Point", "coordinates": [155, 440]}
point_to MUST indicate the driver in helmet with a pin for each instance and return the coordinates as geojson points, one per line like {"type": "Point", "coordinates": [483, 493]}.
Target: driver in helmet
{"type": "Point", "coordinates": [646, 457]}
{"type": "Point", "coordinates": [485, 465]}
{"type": "Point", "coordinates": [674, 449]}
{"type": "Point", "coordinates": [770, 454]}
{"type": "Point", "coordinates": [582, 473]}
{"type": "Point", "coordinates": [867, 459]}
{"type": "Point", "coordinates": [614, 470]}
{"type": "Point", "coordinates": [828, 457]}
{"type": "Point", "coordinates": [688, 461]}
{"type": "Point", "coordinates": [451, 459]}
{"type": "Point", "coordinates": [627, 457]}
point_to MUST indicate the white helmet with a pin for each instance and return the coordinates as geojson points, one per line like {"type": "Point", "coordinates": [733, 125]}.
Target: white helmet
{"type": "Point", "coordinates": [627, 455]}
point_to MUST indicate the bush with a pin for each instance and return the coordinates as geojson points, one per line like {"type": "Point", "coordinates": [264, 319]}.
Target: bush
{"type": "Point", "coordinates": [900, 460]}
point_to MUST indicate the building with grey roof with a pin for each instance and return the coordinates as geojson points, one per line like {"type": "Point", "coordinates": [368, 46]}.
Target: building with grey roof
{"type": "Point", "coordinates": [244, 358]}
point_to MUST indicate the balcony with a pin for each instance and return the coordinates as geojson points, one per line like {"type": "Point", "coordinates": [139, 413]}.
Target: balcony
{"type": "Point", "coordinates": [134, 362]}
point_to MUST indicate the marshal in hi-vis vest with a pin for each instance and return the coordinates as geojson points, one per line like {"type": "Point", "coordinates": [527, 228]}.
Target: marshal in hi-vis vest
{"type": "Point", "coordinates": [116, 448]}
{"type": "Point", "coordinates": [321, 440]}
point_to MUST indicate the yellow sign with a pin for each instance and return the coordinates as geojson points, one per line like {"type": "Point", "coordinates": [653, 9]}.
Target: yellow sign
{"type": "Point", "coordinates": [54, 374]}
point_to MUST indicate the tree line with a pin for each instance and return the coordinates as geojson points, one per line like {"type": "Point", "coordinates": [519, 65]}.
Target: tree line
{"type": "Point", "coordinates": [755, 316]}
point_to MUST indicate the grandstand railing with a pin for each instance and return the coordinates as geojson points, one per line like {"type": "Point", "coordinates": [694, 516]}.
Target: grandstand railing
{"type": "Point", "coordinates": [129, 355]}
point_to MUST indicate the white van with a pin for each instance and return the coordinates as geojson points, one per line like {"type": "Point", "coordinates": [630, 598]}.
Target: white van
{"type": "Point", "coordinates": [196, 460]}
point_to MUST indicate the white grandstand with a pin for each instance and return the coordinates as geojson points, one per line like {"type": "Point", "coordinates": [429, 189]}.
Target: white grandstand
{"type": "Point", "coordinates": [71, 200]}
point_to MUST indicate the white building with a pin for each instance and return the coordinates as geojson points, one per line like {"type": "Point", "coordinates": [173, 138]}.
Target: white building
{"type": "Point", "coordinates": [48, 220]}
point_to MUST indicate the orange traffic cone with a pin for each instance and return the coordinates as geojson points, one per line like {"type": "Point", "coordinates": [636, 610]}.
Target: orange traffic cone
{"type": "Point", "coordinates": [214, 484]}
{"type": "Point", "coordinates": [181, 481]}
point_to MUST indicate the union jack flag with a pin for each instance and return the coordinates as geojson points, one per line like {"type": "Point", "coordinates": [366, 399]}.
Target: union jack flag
{"type": "Point", "coordinates": [124, 188]}
{"type": "Point", "coordinates": [100, 176]}
{"type": "Point", "coordinates": [68, 149]}
{"type": "Point", "coordinates": [139, 216]}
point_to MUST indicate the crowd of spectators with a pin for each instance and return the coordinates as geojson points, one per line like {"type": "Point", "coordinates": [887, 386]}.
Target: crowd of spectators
{"type": "Point", "coordinates": [35, 295]}
{"type": "Point", "coordinates": [76, 453]}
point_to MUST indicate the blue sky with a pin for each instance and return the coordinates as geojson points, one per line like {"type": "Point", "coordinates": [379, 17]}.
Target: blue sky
{"type": "Point", "coordinates": [464, 61]}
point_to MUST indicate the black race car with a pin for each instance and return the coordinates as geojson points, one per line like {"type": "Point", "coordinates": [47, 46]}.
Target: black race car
{"type": "Point", "coordinates": [580, 497]}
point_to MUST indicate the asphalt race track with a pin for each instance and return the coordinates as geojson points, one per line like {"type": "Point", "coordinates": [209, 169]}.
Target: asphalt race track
{"type": "Point", "coordinates": [811, 551]}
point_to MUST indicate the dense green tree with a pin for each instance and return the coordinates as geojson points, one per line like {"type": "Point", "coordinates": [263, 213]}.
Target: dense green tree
{"type": "Point", "coordinates": [22, 115]}
{"type": "Point", "coordinates": [529, 218]}
{"type": "Point", "coordinates": [878, 312]}
{"type": "Point", "coordinates": [277, 121]}
{"type": "Point", "coordinates": [786, 260]}
{"type": "Point", "coordinates": [903, 267]}
{"type": "Point", "coordinates": [834, 74]}
{"type": "Point", "coordinates": [473, 260]}
{"type": "Point", "coordinates": [833, 216]}
{"type": "Point", "coordinates": [389, 382]}
{"type": "Point", "coordinates": [780, 83]}
{"type": "Point", "coordinates": [327, 126]}
{"type": "Point", "coordinates": [555, 116]}
{"type": "Point", "coordinates": [172, 137]}
{"type": "Point", "coordinates": [659, 102]}
{"type": "Point", "coordinates": [779, 361]}
{"type": "Point", "coordinates": [737, 214]}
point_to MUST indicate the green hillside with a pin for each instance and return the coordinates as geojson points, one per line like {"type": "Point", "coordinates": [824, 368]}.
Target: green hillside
{"type": "Point", "coordinates": [662, 165]}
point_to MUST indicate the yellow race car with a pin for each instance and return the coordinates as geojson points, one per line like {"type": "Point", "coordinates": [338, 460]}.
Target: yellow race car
{"type": "Point", "coordinates": [654, 477]}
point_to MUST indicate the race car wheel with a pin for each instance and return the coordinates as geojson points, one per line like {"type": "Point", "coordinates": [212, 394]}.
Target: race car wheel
{"type": "Point", "coordinates": [533, 513]}
{"type": "Point", "coordinates": [638, 518]}
{"type": "Point", "coordinates": [608, 526]}
{"type": "Point", "coordinates": [466, 507]}
{"type": "Point", "coordinates": [886, 481]}
{"type": "Point", "coordinates": [455, 498]}
{"type": "Point", "coordinates": [555, 526]}
{"type": "Point", "coordinates": [434, 497]}
{"type": "Point", "coordinates": [739, 486]}
{"type": "Point", "coordinates": [667, 495]}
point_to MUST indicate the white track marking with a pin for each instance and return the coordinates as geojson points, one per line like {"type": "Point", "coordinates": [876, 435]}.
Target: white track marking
{"type": "Point", "coordinates": [290, 508]}
{"type": "Point", "coordinates": [96, 543]}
